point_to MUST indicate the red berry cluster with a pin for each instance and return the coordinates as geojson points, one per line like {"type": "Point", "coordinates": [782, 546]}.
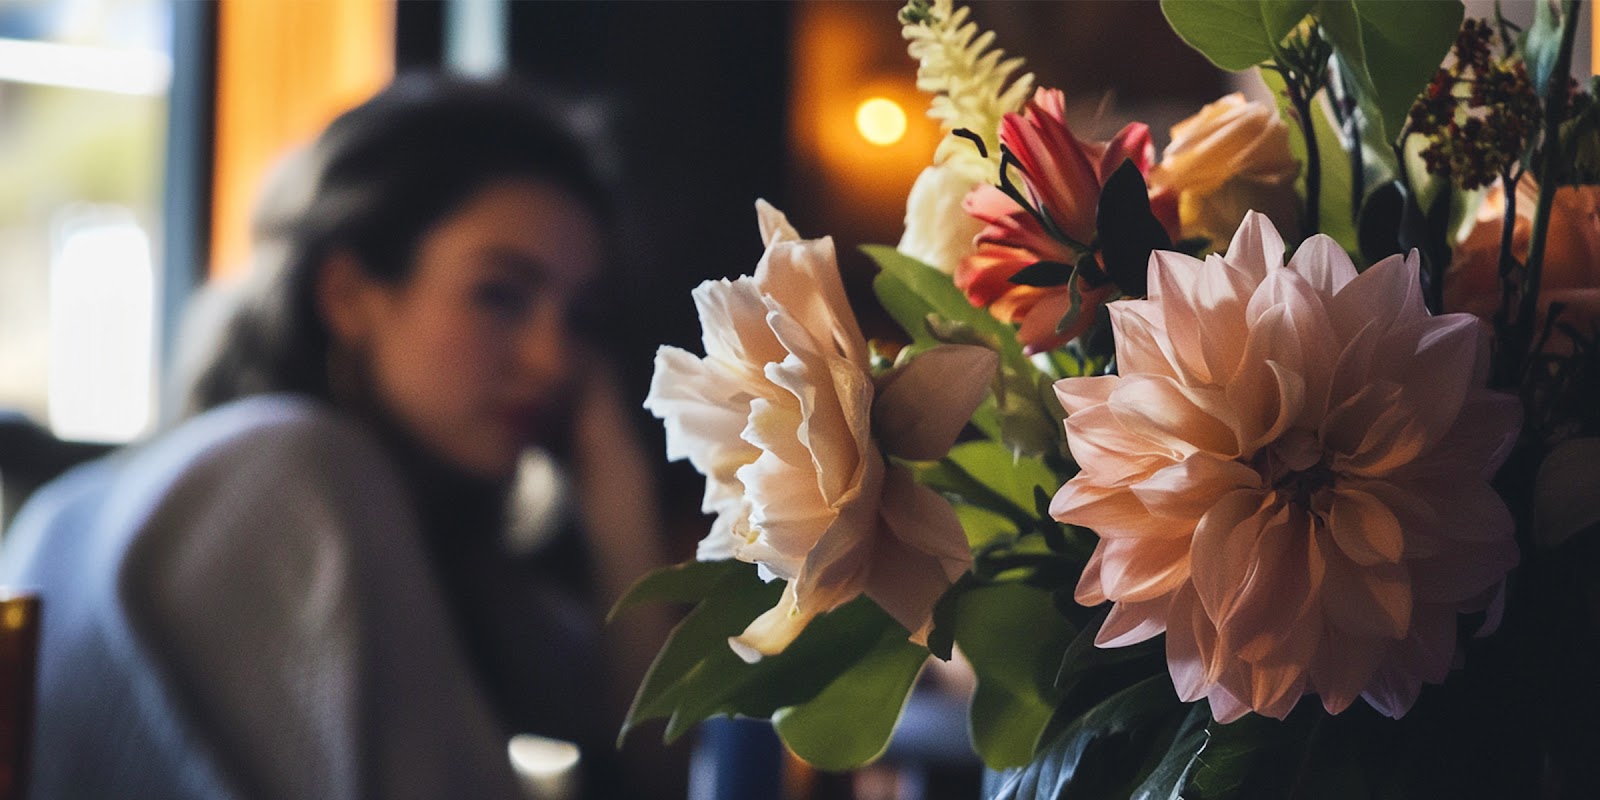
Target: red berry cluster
{"type": "Point", "coordinates": [1477, 113]}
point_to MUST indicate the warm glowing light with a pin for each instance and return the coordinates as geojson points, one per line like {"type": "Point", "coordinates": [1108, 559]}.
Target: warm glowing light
{"type": "Point", "coordinates": [548, 768]}
{"type": "Point", "coordinates": [102, 323]}
{"type": "Point", "coordinates": [881, 121]}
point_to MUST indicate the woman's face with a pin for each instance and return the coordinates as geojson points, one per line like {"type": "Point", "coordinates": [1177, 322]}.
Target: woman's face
{"type": "Point", "coordinates": [470, 353]}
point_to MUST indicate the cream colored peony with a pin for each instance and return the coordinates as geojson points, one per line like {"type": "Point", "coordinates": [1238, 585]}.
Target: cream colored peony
{"type": "Point", "coordinates": [785, 420]}
{"type": "Point", "coordinates": [1230, 157]}
{"type": "Point", "coordinates": [939, 231]}
{"type": "Point", "coordinates": [1289, 477]}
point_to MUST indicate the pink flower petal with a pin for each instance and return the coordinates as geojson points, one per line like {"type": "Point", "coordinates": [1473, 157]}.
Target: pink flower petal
{"type": "Point", "coordinates": [1112, 513]}
{"type": "Point", "coordinates": [1174, 418]}
{"type": "Point", "coordinates": [1324, 265]}
{"type": "Point", "coordinates": [1143, 569]}
{"type": "Point", "coordinates": [1370, 600]}
{"type": "Point", "coordinates": [1077, 394]}
{"type": "Point", "coordinates": [1188, 489]}
{"type": "Point", "coordinates": [923, 554]}
{"type": "Point", "coordinates": [1133, 622]}
{"type": "Point", "coordinates": [922, 406]}
{"type": "Point", "coordinates": [1294, 458]}
{"type": "Point", "coordinates": [1365, 529]}
{"type": "Point", "coordinates": [1223, 543]}
{"type": "Point", "coordinates": [1256, 247]}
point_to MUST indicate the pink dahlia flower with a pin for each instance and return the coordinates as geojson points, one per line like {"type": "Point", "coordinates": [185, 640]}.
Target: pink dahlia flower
{"type": "Point", "coordinates": [1289, 477]}
{"type": "Point", "coordinates": [784, 418]}
{"type": "Point", "coordinates": [1064, 175]}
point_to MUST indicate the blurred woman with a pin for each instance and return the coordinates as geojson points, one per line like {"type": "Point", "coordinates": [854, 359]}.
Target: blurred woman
{"type": "Point", "coordinates": [304, 590]}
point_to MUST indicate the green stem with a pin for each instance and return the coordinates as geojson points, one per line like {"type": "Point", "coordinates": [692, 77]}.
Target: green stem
{"type": "Point", "coordinates": [1550, 154]}
{"type": "Point", "coordinates": [1301, 100]}
{"type": "Point", "coordinates": [1349, 113]}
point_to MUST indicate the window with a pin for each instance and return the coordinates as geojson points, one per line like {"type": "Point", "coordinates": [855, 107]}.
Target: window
{"type": "Point", "coordinates": [83, 101]}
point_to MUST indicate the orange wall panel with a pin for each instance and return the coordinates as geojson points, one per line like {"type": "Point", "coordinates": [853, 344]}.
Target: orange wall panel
{"type": "Point", "coordinates": [285, 68]}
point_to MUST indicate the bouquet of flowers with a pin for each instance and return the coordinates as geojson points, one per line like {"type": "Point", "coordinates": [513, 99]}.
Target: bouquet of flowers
{"type": "Point", "coordinates": [1322, 521]}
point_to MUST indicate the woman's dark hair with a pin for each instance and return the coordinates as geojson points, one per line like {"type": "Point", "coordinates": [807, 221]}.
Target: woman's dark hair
{"type": "Point", "coordinates": [372, 185]}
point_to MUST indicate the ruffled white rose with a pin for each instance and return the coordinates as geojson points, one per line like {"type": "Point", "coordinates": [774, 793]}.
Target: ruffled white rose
{"type": "Point", "coordinates": [939, 232]}
{"type": "Point", "coordinates": [1231, 157]}
{"type": "Point", "coordinates": [785, 420]}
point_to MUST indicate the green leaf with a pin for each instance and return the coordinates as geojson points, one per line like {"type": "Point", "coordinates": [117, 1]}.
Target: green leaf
{"type": "Point", "coordinates": [689, 582]}
{"type": "Point", "coordinates": [1337, 220]}
{"type": "Point", "coordinates": [983, 526]}
{"type": "Point", "coordinates": [1043, 273]}
{"type": "Point", "coordinates": [851, 721]}
{"type": "Point", "coordinates": [699, 644]}
{"type": "Point", "coordinates": [1084, 660]}
{"type": "Point", "coordinates": [696, 675]}
{"type": "Point", "coordinates": [1128, 230]}
{"type": "Point", "coordinates": [1014, 638]}
{"type": "Point", "coordinates": [1392, 49]}
{"type": "Point", "coordinates": [1166, 781]}
{"type": "Point", "coordinates": [911, 290]}
{"type": "Point", "coordinates": [1255, 756]}
{"type": "Point", "coordinates": [1011, 477]}
{"type": "Point", "coordinates": [1062, 765]}
{"type": "Point", "coordinates": [1235, 34]}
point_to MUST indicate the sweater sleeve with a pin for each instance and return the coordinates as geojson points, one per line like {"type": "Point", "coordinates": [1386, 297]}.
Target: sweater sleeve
{"type": "Point", "coordinates": [280, 588]}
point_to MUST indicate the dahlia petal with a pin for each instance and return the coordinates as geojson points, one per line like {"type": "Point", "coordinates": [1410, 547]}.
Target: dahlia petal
{"type": "Point", "coordinates": [1175, 276]}
{"type": "Point", "coordinates": [1443, 369]}
{"type": "Point", "coordinates": [1272, 619]}
{"type": "Point", "coordinates": [1109, 453]}
{"type": "Point", "coordinates": [1256, 247]}
{"type": "Point", "coordinates": [1354, 368]}
{"type": "Point", "coordinates": [1143, 569]}
{"type": "Point", "coordinates": [1077, 394]}
{"type": "Point", "coordinates": [1111, 513]}
{"type": "Point", "coordinates": [1192, 654]}
{"type": "Point", "coordinates": [1324, 264]}
{"type": "Point", "coordinates": [1133, 622]}
{"type": "Point", "coordinates": [1188, 489]}
{"type": "Point", "coordinates": [1342, 672]}
{"type": "Point", "coordinates": [1226, 707]}
{"type": "Point", "coordinates": [1431, 648]}
{"type": "Point", "coordinates": [1269, 398]}
{"type": "Point", "coordinates": [1178, 419]}
{"type": "Point", "coordinates": [1142, 344]}
{"type": "Point", "coordinates": [1483, 434]}
{"type": "Point", "coordinates": [1277, 689]}
{"type": "Point", "coordinates": [1372, 600]}
{"type": "Point", "coordinates": [1365, 529]}
{"type": "Point", "coordinates": [1223, 542]}
{"type": "Point", "coordinates": [1090, 591]}
{"type": "Point", "coordinates": [1371, 297]}
{"type": "Point", "coordinates": [1456, 576]}
{"type": "Point", "coordinates": [1392, 692]}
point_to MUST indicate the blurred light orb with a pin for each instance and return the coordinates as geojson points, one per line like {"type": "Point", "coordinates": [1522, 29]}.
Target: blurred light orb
{"type": "Point", "coordinates": [881, 121]}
